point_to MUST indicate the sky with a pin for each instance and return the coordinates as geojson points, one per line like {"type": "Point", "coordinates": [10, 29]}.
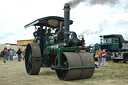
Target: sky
{"type": "Point", "coordinates": [92, 18]}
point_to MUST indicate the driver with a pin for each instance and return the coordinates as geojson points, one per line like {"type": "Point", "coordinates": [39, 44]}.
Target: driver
{"type": "Point", "coordinates": [41, 31]}
{"type": "Point", "coordinates": [41, 34]}
{"type": "Point", "coordinates": [49, 32]}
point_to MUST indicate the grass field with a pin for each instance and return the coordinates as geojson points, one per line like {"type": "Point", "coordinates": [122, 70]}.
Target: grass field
{"type": "Point", "coordinates": [14, 73]}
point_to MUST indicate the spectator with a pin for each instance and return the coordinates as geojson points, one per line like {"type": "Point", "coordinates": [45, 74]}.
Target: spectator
{"type": "Point", "coordinates": [104, 54]}
{"type": "Point", "coordinates": [5, 54]}
{"type": "Point", "coordinates": [19, 52]}
{"type": "Point", "coordinates": [11, 54]}
{"type": "Point", "coordinates": [0, 55]}
{"type": "Point", "coordinates": [99, 52]}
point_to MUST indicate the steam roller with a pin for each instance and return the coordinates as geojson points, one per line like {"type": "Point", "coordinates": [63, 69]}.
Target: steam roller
{"type": "Point", "coordinates": [58, 48]}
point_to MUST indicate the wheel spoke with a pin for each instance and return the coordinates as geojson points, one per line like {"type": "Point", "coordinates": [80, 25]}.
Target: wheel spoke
{"type": "Point", "coordinates": [30, 57]}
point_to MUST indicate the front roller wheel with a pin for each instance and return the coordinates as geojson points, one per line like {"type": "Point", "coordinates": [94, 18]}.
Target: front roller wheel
{"type": "Point", "coordinates": [72, 59]}
{"type": "Point", "coordinates": [32, 56]}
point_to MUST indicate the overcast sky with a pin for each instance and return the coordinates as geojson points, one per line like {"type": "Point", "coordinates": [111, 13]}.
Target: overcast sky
{"type": "Point", "coordinates": [91, 17]}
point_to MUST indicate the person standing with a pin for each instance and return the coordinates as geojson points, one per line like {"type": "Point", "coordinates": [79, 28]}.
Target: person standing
{"type": "Point", "coordinates": [99, 52]}
{"type": "Point", "coordinates": [104, 54]}
{"type": "Point", "coordinates": [5, 54]}
{"type": "Point", "coordinates": [19, 52]}
{"type": "Point", "coordinates": [11, 54]}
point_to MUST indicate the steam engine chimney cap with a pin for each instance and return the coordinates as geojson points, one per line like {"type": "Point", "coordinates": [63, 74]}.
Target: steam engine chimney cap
{"type": "Point", "coordinates": [66, 6]}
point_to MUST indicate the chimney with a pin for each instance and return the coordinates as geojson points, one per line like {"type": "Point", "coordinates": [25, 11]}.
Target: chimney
{"type": "Point", "coordinates": [66, 20]}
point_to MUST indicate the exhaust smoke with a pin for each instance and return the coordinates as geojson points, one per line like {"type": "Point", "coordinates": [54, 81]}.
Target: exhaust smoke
{"type": "Point", "coordinates": [74, 3]}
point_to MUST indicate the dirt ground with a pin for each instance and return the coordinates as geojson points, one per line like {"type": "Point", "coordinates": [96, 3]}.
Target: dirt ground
{"type": "Point", "coordinates": [14, 73]}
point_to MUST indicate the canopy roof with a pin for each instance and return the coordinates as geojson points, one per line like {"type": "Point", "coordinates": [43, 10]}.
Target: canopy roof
{"type": "Point", "coordinates": [50, 21]}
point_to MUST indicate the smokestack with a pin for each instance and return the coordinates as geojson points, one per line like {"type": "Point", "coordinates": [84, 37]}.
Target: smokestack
{"type": "Point", "coordinates": [67, 20]}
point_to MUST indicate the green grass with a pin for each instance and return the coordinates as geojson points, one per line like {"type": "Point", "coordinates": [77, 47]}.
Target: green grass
{"type": "Point", "coordinates": [1, 58]}
{"type": "Point", "coordinates": [114, 70]}
{"type": "Point", "coordinates": [14, 73]}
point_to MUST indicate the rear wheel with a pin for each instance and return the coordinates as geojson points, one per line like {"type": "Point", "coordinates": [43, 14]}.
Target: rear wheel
{"type": "Point", "coordinates": [32, 56]}
{"type": "Point", "coordinates": [125, 59]}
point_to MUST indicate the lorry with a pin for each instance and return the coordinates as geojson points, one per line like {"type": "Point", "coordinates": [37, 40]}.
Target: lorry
{"type": "Point", "coordinates": [111, 43]}
{"type": "Point", "coordinates": [121, 54]}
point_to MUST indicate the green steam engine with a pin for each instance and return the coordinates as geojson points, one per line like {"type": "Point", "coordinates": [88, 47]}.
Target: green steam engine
{"type": "Point", "coordinates": [59, 50]}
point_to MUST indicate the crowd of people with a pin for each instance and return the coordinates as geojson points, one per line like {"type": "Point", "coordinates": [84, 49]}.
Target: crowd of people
{"type": "Point", "coordinates": [101, 55]}
{"type": "Point", "coordinates": [8, 54]}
